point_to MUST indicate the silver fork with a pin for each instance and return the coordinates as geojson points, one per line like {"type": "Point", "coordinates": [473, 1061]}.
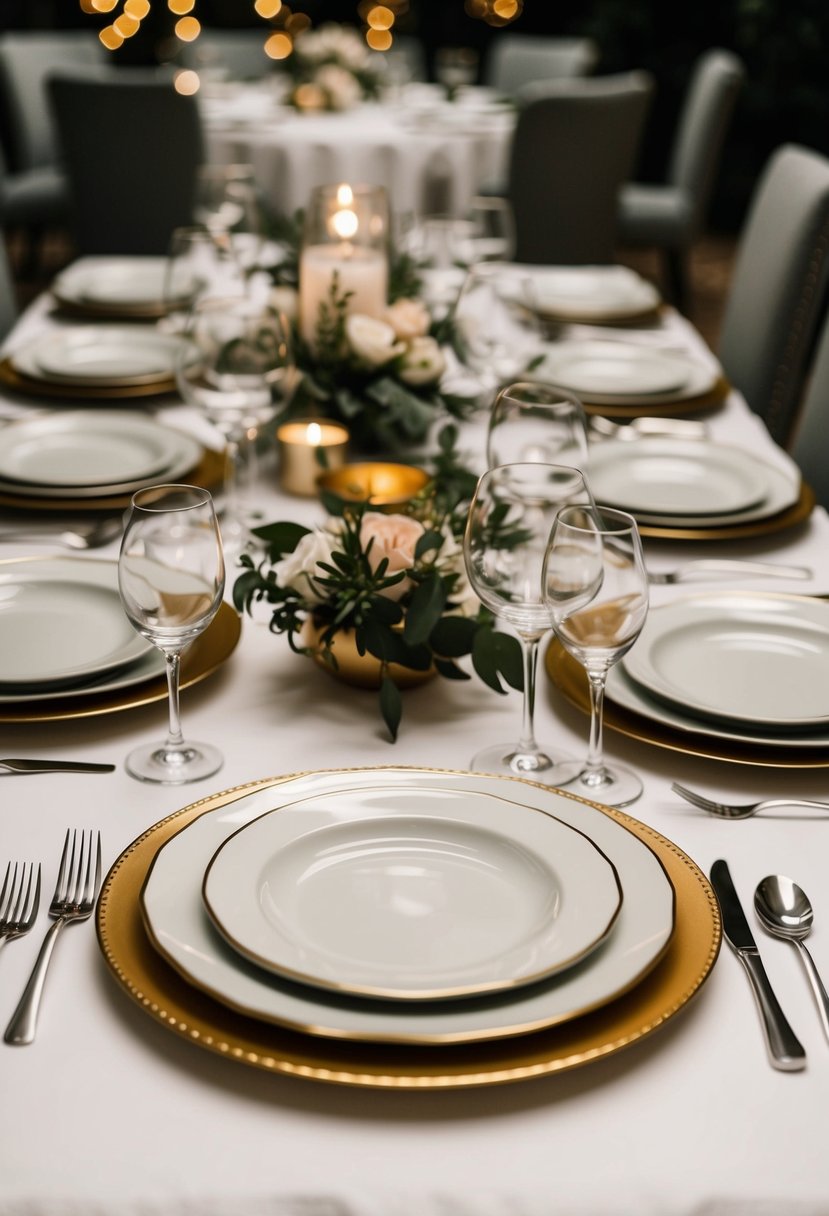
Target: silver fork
{"type": "Point", "coordinates": [725, 810]}
{"type": "Point", "coordinates": [18, 904]}
{"type": "Point", "coordinates": [85, 536]}
{"type": "Point", "coordinates": [707, 567]}
{"type": "Point", "coordinates": [74, 899]}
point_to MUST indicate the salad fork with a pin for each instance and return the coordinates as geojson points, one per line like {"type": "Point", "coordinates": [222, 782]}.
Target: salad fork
{"type": "Point", "coordinates": [18, 905]}
{"type": "Point", "coordinates": [725, 810]}
{"type": "Point", "coordinates": [74, 899]}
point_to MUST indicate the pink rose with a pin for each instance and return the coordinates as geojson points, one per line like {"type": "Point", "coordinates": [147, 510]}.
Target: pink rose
{"type": "Point", "coordinates": [394, 537]}
{"type": "Point", "coordinates": [408, 318]}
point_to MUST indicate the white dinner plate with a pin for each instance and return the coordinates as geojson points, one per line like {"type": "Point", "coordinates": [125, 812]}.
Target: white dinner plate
{"type": "Point", "coordinates": [113, 356]}
{"type": "Point", "coordinates": [591, 293]}
{"type": "Point", "coordinates": [675, 477]}
{"type": "Point", "coordinates": [442, 897]}
{"type": "Point", "coordinates": [62, 623]}
{"type": "Point", "coordinates": [122, 284]}
{"type": "Point", "coordinates": [748, 657]}
{"type": "Point", "coordinates": [103, 451]}
{"type": "Point", "coordinates": [182, 931]}
{"type": "Point", "coordinates": [617, 372]}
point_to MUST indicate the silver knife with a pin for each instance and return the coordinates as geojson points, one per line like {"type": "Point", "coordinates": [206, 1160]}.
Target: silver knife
{"type": "Point", "coordinates": [54, 766]}
{"type": "Point", "coordinates": [785, 1050]}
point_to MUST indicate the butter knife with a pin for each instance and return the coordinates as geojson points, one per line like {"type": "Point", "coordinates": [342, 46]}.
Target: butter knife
{"type": "Point", "coordinates": [54, 766]}
{"type": "Point", "coordinates": [784, 1048]}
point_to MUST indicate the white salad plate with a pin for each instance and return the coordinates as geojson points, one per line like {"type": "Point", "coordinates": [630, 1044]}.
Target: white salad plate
{"type": "Point", "coordinates": [446, 897]}
{"type": "Point", "coordinates": [62, 622]}
{"type": "Point", "coordinates": [615, 372]}
{"type": "Point", "coordinates": [124, 284]}
{"type": "Point", "coordinates": [674, 477]}
{"type": "Point", "coordinates": [180, 928]}
{"type": "Point", "coordinates": [115, 356]}
{"type": "Point", "coordinates": [590, 293]}
{"type": "Point", "coordinates": [102, 451]}
{"type": "Point", "coordinates": [749, 657]}
{"type": "Point", "coordinates": [782, 492]}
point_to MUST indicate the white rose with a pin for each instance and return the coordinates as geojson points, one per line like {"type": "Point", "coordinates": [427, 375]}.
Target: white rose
{"type": "Point", "coordinates": [422, 363]}
{"type": "Point", "coordinates": [300, 568]}
{"type": "Point", "coordinates": [451, 561]}
{"type": "Point", "coordinates": [310, 47]}
{"type": "Point", "coordinates": [408, 318]}
{"type": "Point", "coordinates": [372, 341]}
{"type": "Point", "coordinates": [342, 89]}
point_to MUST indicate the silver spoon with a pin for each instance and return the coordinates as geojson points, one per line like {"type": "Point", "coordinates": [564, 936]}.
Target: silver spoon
{"type": "Point", "coordinates": [784, 911]}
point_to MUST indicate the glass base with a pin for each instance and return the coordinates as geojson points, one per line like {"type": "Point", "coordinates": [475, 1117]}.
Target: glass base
{"type": "Point", "coordinates": [163, 766]}
{"type": "Point", "coordinates": [508, 759]}
{"type": "Point", "coordinates": [614, 785]}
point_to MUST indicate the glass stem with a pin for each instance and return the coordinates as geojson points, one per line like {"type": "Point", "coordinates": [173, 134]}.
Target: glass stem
{"type": "Point", "coordinates": [175, 739]}
{"type": "Point", "coordinates": [231, 479]}
{"type": "Point", "coordinates": [593, 772]}
{"type": "Point", "coordinates": [529, 650]}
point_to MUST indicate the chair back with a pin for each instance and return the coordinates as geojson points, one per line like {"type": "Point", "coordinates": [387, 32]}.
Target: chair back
{"type": "Point", "coordinates": [26, 60]}
{"type": "Point", "coordinates": [811, 438]}
{"type": "Point", "coordinates": [132, 147]}
{"type": "Point", "coordinates": [8, 295]}
{"type": "Point", "coordinates": [575, 143]}
{"type": "Point", "coordinates": [700, 136]}
{"type": "Point", "coordinates": [777, 287]}
{"type": "Point", "coordinates": [515, 60]}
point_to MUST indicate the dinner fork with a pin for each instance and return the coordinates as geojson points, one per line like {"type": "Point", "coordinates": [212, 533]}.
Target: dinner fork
{"type": "Point", "coordinates": [74, 899]}
{"type": "Point", "coordinates": [725, 810]}
{"type": "Point", "coordinates": [711, 567]}
{"type": "Point", "coordinates": [91, 536]}
{"type": "Point", "coordinates": [18, 905]}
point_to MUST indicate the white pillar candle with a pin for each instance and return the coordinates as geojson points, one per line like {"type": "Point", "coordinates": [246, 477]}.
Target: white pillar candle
{"type": "Point", "coordinates": [361, 271]}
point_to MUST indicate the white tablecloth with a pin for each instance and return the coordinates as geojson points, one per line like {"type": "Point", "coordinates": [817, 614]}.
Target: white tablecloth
{"type": "Point", "coordinates": [108, 1113]}
{"type": "Point", "coordinates": [432, 156]}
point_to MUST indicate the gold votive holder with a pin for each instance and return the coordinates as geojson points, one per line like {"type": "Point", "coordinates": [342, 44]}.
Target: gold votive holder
{"type": "Point", "coordinates": [383, 485]}
{"type": "Point", "coordinates": [307, 450]}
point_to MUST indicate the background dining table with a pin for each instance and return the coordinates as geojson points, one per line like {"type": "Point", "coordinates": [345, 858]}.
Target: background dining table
{"type": "Point", "coordinates": [110, 1112]}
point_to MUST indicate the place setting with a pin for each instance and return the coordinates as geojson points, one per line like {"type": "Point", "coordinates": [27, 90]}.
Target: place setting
{"type": "Point", "coordinates": [122, 288]}
{"type": "Point", "coordinates": [592, 295]}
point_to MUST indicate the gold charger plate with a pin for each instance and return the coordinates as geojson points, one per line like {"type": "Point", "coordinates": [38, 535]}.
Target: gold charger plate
{"type": "Point", "coordinates": [158, 989]}
{"type": "Point", "coordinates": [712, 400]}
{"type": "Point", "coordinates": [201, 658]}
{"type": "Point", "coordinates": [569, 677]}
{"type": "Point", "coordinates": [208, 473]}
{"type": "Point", "coordinates": [11, 378]}
{"type": "Point", "coordinates": [795, 514]}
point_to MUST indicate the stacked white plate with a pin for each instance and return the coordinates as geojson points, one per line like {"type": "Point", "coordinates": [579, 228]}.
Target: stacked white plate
{"type": "Point", "coordinates": [100, 357]}
{"type": "Point", "coordinates": [615, 372]}
{"type": "Point", "coordinates": [89, 454]}
{"type": "Point", "coordinates": [745, 667]}
{"type": "Point", "coordinates": [408, 906]}
{"type": "Point", "coordinates": [126, 287]}
{"type": "Point", "coordinates": [591, 294]}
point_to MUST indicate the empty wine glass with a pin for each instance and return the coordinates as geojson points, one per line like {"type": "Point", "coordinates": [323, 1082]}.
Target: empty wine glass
{"type": "Point", "coordinates": [239, 370]}
{"type": "Point", "coordinates": [492, 236]}
{"type": "Point", "coordinates": [200, 262]}
{"type": "Point", "coordinates": [506, 537]}
{"type": "Point", "coordinates": [595, 587]}
{"type": "Point", "coordinates": [227, 201]}
{"type": "Point", "coordinates": [497, 331]}
{"type": "Point", "coordinates": [533, 421]}
{"type": "Point", "coordinates": [171, 577]}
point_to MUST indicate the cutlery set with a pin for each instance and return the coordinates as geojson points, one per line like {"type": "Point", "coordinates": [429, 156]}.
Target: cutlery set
{"type": "Point", "coordinates": [76, 889]}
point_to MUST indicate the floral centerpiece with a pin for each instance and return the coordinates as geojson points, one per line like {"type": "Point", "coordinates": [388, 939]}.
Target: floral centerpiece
{"type": "Point", "coordinates": [396, 582]}
{"type": "Point", "coordinates": [332, 69]}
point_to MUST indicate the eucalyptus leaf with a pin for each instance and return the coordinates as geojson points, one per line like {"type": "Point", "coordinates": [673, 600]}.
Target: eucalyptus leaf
{"type": "Point", "coordinates": [391, 705]}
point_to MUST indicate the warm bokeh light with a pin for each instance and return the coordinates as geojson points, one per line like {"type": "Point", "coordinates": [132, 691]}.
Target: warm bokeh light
{"type": "Point", "coordinates": [309, 96]}
{"type": "Point", "coordinates": [379, 40]}
{"type": "Point", "coordinates": [188, 29]}
{"type": "Point", "coordinates": [126, 26]}
{"type": "Point", "coordinates": [187, 82]}
{"type": "Point", "coordinates": [137, 9]}
{"type": "Point", "coordinates": [180, 7]}
{"type": "Point", "coordinates": [297, 23]}
{"type": "Point", "coordinates": [380, 18]}
{"type": "Point", "coordinates": [345, 224]}
{"type": "Point", "coordinates": [104, 6]}
{"type": "Point", "coordinates": [110, 38]}
{"type": "Point", "coordinates": [278, 46]}
{"type": "Point", "coordinates": [505, 9]}
{"type": "Point", "coordinates": [268, 8]}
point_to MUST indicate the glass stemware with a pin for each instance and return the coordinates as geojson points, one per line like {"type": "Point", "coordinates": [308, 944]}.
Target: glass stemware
{"type": "Point", "coordinates": [595, 586]}
{"type": "Point", "coordinates": [532, 421]}
{"type": "Point", "coordinates": [200, 262]}
{"type": "Point", "coordinates": [171, 577]}
{"type": "Point", "coordinates": [227, 201]}
{"type": "Point", "coordinates": [239, 370]}
{"type": "Point", "coordinates": [497, 329]}
{"type": "Point", "coordinates": [506, 537]}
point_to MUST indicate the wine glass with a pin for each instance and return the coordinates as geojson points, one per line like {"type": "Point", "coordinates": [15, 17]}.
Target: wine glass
{"type": "Point", "coordinates": [506, 536]}
{"type": "Point", "coordinates": [497, 331]}
{"type": "Point", "coordinates": [533, 421]}
{"type": "Point", "coordinates": [171, 577]}
{"type": "Point", "coordinates": [227, 201]}
{"type": "Point", "coordinates": [595, 587]}
{"type": "Point", "coordinates": [492, 236]}
{"type": "Point", "coordinates": [239, 370]}
{"type": "Point", "coordinates": [200, 262]}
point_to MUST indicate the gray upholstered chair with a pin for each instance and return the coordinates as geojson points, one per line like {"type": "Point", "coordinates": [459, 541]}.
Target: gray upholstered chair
{"type": "Point", "coordinates": [32, 198]}
{"type": "Point", "coordinates": [671, 215]}
{"type": "Point", "coordinates": [515, 60]}
{"type": "Point", "coordinates": [8, 295]}
{"type": "Point", "coordinates": [810, 447]}
{"type": "Point", "coordinates": [132, 146]}
{"type": "Point", "coordinates": [575, 143]}
{"type": "Point", "coordinates": [778, 285]}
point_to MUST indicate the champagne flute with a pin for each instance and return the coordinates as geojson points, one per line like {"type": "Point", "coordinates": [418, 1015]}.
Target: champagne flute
{"type": "Point", "coordinates": [595, 586]}
{"type": "Point", "coordinates": [506, 536]}
{"type": "Point", "coordinates": [532, 421]}
{"type": "Point", "coordinates": [239, 370]}
{"type": "Point", "coordinates": [171, 577]}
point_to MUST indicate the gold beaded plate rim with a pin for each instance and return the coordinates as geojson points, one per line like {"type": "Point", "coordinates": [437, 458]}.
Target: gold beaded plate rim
{"type": "Point", "coordinates": [170, 1001]}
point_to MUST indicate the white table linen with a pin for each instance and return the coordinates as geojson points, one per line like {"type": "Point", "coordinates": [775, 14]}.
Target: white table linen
{"type": "Point", "coordinates": [109, 1113]}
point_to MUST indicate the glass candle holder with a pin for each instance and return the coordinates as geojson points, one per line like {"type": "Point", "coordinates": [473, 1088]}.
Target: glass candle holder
{"type": "Point", "coordinates": [344, 250]}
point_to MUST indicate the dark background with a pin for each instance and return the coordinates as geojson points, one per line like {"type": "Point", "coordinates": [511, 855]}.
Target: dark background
{"type": "Point", "coordinates": [784, 44]}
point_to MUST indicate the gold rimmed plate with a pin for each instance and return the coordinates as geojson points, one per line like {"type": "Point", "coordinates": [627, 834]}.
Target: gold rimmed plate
{"type": "Point", "coordinates": [797, 512]}
{"type": "Point", "coordinates": [198, 1019]}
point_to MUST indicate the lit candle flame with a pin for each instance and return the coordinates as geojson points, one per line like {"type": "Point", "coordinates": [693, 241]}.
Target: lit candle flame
{"type": "Point", "coordinates": [345, 223]}
{"type": "Point", "coordinates": [345, 196]}
{"type": "Point", "coordinates": [314, 434]}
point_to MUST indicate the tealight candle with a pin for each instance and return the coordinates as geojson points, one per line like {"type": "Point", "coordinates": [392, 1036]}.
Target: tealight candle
{"type": "Point", "coordinates": [306, 451]}
{"type": "Point", "coordinates": [381, 484]}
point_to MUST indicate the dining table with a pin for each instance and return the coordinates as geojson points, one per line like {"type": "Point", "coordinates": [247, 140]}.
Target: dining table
{"type": "Point", "coordinates": [121, 1107]}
